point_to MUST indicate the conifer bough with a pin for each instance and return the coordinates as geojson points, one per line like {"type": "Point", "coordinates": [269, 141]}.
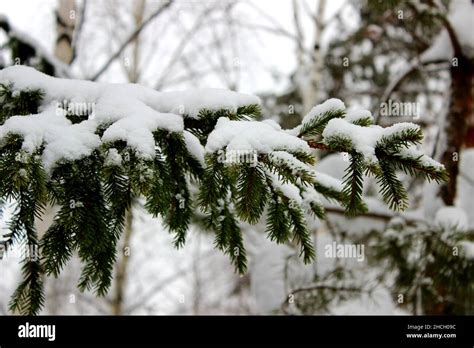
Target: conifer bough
{"type": "Point", "coordinates": [187, 155]}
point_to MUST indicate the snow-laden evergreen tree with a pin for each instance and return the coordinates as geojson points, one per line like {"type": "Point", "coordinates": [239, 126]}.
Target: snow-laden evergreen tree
{"type": "Point", "coordinates": [90, 148]}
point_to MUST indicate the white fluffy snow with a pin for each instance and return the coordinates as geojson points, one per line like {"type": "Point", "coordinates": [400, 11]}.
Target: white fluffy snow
{"type": "Point", "coordinates": [287, 189]}
{"type": "Point", "coordinates": [354, 115]}
{"type": "Point", "coordinates": [461, 14]}
{"type": "Point", "coordinates": [365, 139]}
{"type": "Point", "coordinates": [113, 158]}
{"type": "Point", "coordinates": [467, 249]}
{"type": "Point", "coordinates": [328, 181]}
{"type": "Point", "coordinates": [64, 140]}
{"type": "Point", "coordinates": [132, 113]}
{"type": "Point", "coordinates": [413, 152]}
{"type": "Point", "coordinates": [289, 160]}
{"type": "Point", "coordinates": [329, 105]}
{"type": "Point", "coordinates": [451, 217]}
{"type": "Point", "coordinates": [191, 101]}
{"type": "Point", "coordinates": [440, 50]}
{"type": "Point", "coordinates": [461, 18]}
{"type": "Point", "coordinates": [252, 136]}
{"type": "Point", "coordinates": [194, 146]}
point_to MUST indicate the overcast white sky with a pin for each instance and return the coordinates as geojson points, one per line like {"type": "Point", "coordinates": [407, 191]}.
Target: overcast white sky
{"type": "Point", "coordinates": [36, 18]}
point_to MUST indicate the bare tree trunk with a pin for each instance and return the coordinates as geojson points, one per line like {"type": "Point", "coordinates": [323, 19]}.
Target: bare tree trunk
{"type": "Point", "coordinates": [459, 128]}
{"type": "Point", "coordinates": [314, 92]}
{"type": "Point", "coordinates": [459, 133]}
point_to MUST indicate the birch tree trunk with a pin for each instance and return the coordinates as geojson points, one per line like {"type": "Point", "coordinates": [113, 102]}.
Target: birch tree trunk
{"type": "Point", "coordinates": [65, 26]}
{"type": "Point", "coordinates": [312, 91]}
{"type": "Point", "coordinates": [119, 283]}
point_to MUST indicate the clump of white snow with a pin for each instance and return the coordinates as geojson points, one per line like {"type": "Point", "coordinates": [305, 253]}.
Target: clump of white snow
{"type": "Point", "coordinates": [131, 113]}
{"type": "Point", "coordinates": [332, 104]}
{"type": "Point", "coordinates": [286, 188]}
{"type": "Point", "coordinates": [289, 161]}
{"type": "Point", "coordinates": [365, 139]}
{"type": "Point", "coordinates": [328, 181]}
{"type": "Point", "coordinates": [252, 136]}
{"type": "Point", "coordinates": [413, 152]}
{"type": "Point", "coordinates": [449, 218]}
{"type": "Point", "coordinates": [63, 139]}
{"type": "Point", "coordinates": [192, 101]}
{"type": "Point", "coordinates": [460, 17]}
{"type": "Point", "coordinates": [113, 158]}
{"type": "Point", "coordinates": [194, 146]}
{"type": "Point", "coordinates": [355, 115]}
{"type": "Point", "coordinates": [467, 249]}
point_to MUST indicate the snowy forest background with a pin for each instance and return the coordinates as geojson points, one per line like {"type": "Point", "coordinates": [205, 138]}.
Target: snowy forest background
{"type": "Point", "coordinates": [405, 61]}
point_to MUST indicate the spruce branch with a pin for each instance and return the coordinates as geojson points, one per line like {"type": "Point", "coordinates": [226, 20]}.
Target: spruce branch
{"type": "Point", "coordinates": [301, 234]}
{"type": "Point", "coordinates": [415, 165]}
{"type": "Point", "coordinates": [403, 138]}
{"type": "Point", "coordinates": [329, 192]}
{"type": "Point", "coordinates": [252, 193]}
{"type": "Point", "coordinates": [353, 185]}
{"type": "Point", "coordinates": [28, 297]}
{"type": "Point", "coordinates": [179, 163]}
{"type": "Point", "coordinates": [363, 121]}
{"type": "Point", "coordinates": [278, 227]}
{"type": "Point", "coordinates": [315, 126]}
{"type": "Point", "coordinates": [229, 238]}
{"type": "Point", "coordinates": [206, 120]}
{"type": "Point", "coordinates": [57, 246]}
{"type": "Point", "coordinates": [22, 102]}
{"type": "Point", "coordinates": [94, 191]}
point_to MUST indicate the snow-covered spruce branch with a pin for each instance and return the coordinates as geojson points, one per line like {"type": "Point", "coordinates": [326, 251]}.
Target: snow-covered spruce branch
{"type": "Point", "coordinates": [90, 148]}
{"type": "Point", "coordinates": [432, 260]}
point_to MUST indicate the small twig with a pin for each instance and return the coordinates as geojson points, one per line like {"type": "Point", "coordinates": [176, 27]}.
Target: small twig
{"type": "Point", "coordinates": [397, 81]}
{"type": "Point", "coordinates": [318, 145]}
{"type": "Point", "coordinates": [178, 51]}
{"type": "Point", "coordinates": [77, 32]}
{"type": "Point", "coordinates": [374, 215]}
{"type": "Point", "coordinates": [327, 287]}
{"type": "Point", "coordinates": [130, 39]}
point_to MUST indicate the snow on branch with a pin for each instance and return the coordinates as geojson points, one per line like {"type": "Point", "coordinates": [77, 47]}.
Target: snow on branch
{"type": "Point", "coordinates": [131, 113]}
{"type": "Point", "coordinates": [91, 147]}
{"type": "Point", "coordinates": [382, 152]}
